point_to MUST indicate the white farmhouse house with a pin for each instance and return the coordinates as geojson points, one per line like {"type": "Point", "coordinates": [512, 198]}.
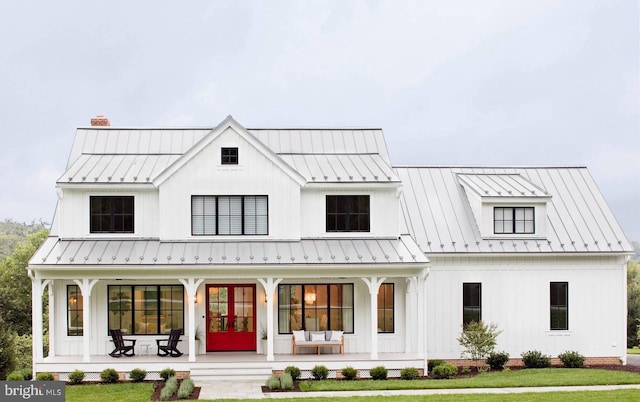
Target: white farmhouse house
{"type": "Point", "coordinates": [234, 235]}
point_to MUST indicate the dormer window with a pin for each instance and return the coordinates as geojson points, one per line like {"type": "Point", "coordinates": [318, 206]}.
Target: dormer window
{"type": "Point", "coordinates": [229, 156]}
{"type": "Point", "coordinates": [519, 220]}
{"type": "Point", "coordinates": [109, 214]}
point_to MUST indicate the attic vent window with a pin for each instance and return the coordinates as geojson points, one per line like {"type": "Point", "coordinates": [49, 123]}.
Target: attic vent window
{"type": "Point", "coordinates": [229, 156]}
{"type": "Point", "coordinates": [518, 220]}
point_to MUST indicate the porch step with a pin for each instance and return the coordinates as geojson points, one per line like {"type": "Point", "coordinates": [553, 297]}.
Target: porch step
{"type": "Point", "coordinates": [232, 372]}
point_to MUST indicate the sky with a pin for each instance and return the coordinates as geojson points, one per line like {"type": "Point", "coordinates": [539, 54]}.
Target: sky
{"type": "Point", "coordinates": [513, 82]}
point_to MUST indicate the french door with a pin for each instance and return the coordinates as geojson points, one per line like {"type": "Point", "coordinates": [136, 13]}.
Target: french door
{"type": "Point", "coordinates": [231, 320]}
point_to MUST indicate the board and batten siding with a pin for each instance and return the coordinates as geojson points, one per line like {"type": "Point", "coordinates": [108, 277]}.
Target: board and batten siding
{"type": "Point", "coordinates": [515, 296]}
{"type": "Point", "coordinates": [254, 175]}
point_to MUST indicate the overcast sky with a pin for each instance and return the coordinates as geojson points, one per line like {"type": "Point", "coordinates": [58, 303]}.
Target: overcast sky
{"type": "Point", "coordinates": [450, 82]}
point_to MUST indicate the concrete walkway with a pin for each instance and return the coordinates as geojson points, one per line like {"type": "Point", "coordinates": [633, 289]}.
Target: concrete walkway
{"type": "Point", "coordinates": [253, 390]}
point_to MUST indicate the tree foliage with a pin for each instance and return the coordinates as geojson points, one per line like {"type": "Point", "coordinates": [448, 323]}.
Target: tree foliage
{"type": "Point", "coordinates": [478, 340]}
{"type": "Point", "coordinates": [7, 350]}
{"type": "Point", "coordinates": [633, 303]}
{"type": "Point", "coordinates": [12, 233]}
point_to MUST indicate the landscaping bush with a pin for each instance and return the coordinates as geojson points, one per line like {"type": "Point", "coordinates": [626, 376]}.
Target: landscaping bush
{"type": "Point", "coordinates": [349, 373]}
{"type": "Point", "coordinates": [167, 373]}
{"type": "Point", "coordinates": [109, 376]}
{"type": "Point", "coordinates": [137, 375]}
{"type": "Point", "coordinates": [44, 376]}
{"type": "Point", "coordinates": [433, 363]}
{"type": "Point", "coordinates": [186, 388]}
{"type": "Point", "coordinates": [170, 388]}
{"type": "Point", "coordinates": [535, 359]}
{"type": "Point", "coordinates": [571, 359]}
{"type": "Point", "coordinates": [76, 377]}
{"type": "Point", "coordinates": [15, 376]}
{"type": "Point", "coordinates": [273, 382]}
{"type": "Point", "coordinates": [286, 382]}
{"type": "Point", "coordinates": [409, 373]}
{"type": "Point", "coordinates": [378, 373]}
{"type": "Point", "coordinates": [445, 370]}
{"type": "Point", "coordinates": [7, 350]}
{"type": "Point", "coordinates": [478, 340]}
{"type": "Point", "coordinates": [320, 372]}
{"type": "Point", "coordinates": [294, 371]}
{"type": "Point", "coordinates": [27, 373]}
{"type": "Point", "coordinates": [497, 360]}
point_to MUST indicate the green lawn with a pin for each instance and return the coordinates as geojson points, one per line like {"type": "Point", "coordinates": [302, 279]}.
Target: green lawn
{"type": "Point", "coordinates": [124, 392]}
{"type": "Point", "coordinates": [516, 378]}
{"type": "Point", "coordinates": [634, 351]}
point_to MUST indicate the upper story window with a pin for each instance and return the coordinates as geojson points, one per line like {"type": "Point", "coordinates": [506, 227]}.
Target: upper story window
{"type": "Point", "coordinates": [347, 213]}
{"type": "Point", "coordinates": [471, 302]}
{"type": "Point", "coordinates": [111, 214]}
{"type": "Point", "coordinates": [213, 215]}
{"type": "Point", "coordinates": [518, 220]}
{"type": "Point", "coordinates": [229, 156]}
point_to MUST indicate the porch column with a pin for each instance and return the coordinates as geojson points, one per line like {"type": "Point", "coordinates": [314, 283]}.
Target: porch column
{"type": "Point", "coordinates": [422, 313]}
{"type": "Point", "coordinates": [373, 284]}
{"type": "Point", "coordinates": [36, 318]}
{"type": "Point", "coordinates": [52, 315]}
{"type": "Point", "coordinates": [270, 284]}
{"type": "Point", "coordinates": [411, 315]}
{"type": "Point", "coordinates": [86, 286]}
{"type": "Point", "coordinates": [191, 286]}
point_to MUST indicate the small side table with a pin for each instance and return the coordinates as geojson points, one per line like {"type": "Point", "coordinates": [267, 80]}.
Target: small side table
{"type": "Point", "coordinates": [146, 346]}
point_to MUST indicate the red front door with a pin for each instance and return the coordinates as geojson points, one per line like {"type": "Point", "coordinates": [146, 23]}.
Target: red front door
{"type": "Point", "coordinates": [231, 317]}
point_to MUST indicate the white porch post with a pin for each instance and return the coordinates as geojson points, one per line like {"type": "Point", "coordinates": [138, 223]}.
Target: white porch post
{"type": "Point", "coordinates": [36, 308]}
{"type": "Point", "coordinates": [52, 314]}
{"type": "Point", "coordinates": [270, 284]}
{"type": "Point", "coordinates": [191, 286]}
{"type": "Point", "coordinates": [422, 311]}
{"type": "Point", "coordinates": [373, 284]}
{"type": "Point", "coordinates": [86, 286]}
{"type": "Point", "coordinates": [411, 315]}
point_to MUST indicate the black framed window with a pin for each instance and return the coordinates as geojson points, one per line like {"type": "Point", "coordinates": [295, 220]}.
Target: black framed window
{"type": "Point", "coordinates": [347, 213]}
{"type": "Point", "coordinates": [471, 302]}
{"type": "Point", "coordinates": [111, 214]}
{"type": "Point", "coordinates": [213, 215]}
{"type": "Point", "coordinates": [315, 307]}
{"type": "Point", "coordinates": [229, 156]}
{"type": "Point", "coordinates": [559, 305]}
{"type": "Point", "coordinates": [519, 220]}
{"type": "Point", "coordinates": [74, 311]}
{"type": "Point", "coordinates": [385, 308]}
{"type": "Point", "coordinates": [146, 309]}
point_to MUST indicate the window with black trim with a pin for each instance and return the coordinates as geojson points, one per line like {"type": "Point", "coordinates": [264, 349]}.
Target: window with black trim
{"type": "Point", "coordinates": [146, 309]}
{"type": "Point", "coordinates": [385, 308]}
{"type": "Point", "coordinates": [213, 215]}
{"type": "Point", "coordinates": [111, 214]}
{"type": "Point", "coordinates": [559, 305]}
{"type": "Point", "coordinates": [471, 302]}
{"type": "Point", "coordinates": [347, 213]}
{"type": "Point", "coordinates": [74, 311]}
{"type": "Point", "coordinates": [509, 220]}
{"type": "Point", "coordinates": [319, 307]}
{"type": "Point", "coordinates": [229, 156]}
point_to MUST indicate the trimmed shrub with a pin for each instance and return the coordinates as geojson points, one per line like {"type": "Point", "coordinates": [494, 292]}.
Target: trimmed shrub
{"type": "Point", "coordinates": [497, 360]}
{"type": "Point", "coordinates": [349, 373]}
{"type": "Point", "coordinates": [44, 376]}
{"type": "Point", "coordinates": [378, 373]}
{"type": "Point", "coordinates": [15, 376]}
{"type": "Point", "coordinates": [273, 382]}
{"type": "Point", "coordinates": [76, 377]}
{"type": "Point", "coordinates": [571, 359]}
{"type": "Point", "coordinates": [137, 375]}
{"type": "Point", "coordinates": [186, 388]}
{"type": "Point", "coordinates": [27, 373]}
{"type": "Point", "coordinates": [170, 388]}
{"type": "Point", "coordinates": [320, 372]}
{"type": "Point", "coordinates": [409, 373]}
{"type": "Point", "coordinates": [433, 363]}
{"type": "Point", "coordinates": [535, 359]}
{"type": "Point", "coordinates": [109, 376]}
{"type": "Point", "coordinates": [444, 370]}
{"type": "Point", "coordinates": [294, 371]}
{"type": "Point", "coordinates": [167, 373]}
{"type": "Point", "coordinates": [286, 382]}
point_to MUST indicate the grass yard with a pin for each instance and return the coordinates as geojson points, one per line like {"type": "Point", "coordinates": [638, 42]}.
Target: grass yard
{"type": "Point", "coordinates": [123, 392]}
{"type": "Point", "coordinates": [634, 351]}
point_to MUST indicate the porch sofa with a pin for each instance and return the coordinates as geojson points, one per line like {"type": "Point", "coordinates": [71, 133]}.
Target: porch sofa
{"type": "Point", "coordinates": [317, 339]}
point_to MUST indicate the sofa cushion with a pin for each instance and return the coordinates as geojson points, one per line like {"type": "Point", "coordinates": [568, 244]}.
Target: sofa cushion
{"type": "Point", "coordinates": [336, 335]}
{"type": "Point", "coordinates": [315, 337]}
{"type": "Point", "coordinates": [299, 336]}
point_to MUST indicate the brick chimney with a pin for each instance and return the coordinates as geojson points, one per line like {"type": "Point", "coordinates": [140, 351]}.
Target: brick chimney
{"type": "Point", "coordinates": [100, 120]}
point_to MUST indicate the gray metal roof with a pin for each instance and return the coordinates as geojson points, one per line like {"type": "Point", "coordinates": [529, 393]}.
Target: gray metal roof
{"type": "Point", "coordinates": [341, 167]}
{"type": "Point", "coordinates": [501, 185]}
{"type": "Point", "coordinates": [401, 251]}
{"type": "Point", "coordinates": [438, 216]}
{"type": "Point", "coordinates": [122, 168]}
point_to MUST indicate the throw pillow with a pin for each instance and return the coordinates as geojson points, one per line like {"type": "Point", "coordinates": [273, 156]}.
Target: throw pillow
{"type": "Point", "coordinates": [336, 335]}
{"type": "Point", "coordinates": [299, 336]}
{"type": "Point", "coordinates": [317, 337]}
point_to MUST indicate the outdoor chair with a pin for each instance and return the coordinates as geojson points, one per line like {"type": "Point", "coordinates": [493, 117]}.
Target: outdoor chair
{"type": "Point", "coordinates": [171, 347]}
{"type": "Point", "coordinates": [120, 348]}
